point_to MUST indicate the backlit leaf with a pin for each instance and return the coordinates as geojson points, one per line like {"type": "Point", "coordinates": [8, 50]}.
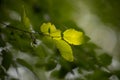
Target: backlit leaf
{"type": "Point", "coordinates": [47, 28]}
{"type": "Point", "coordinates": [56, 35]}
{"type": "Point", "coordinates": [65, 50]}
{"type": "Point", "coordinates": [73, 37]}
{"type": "Point", "coordinates": [25, 20]}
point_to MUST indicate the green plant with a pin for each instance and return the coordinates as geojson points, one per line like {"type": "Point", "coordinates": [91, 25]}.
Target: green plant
{"type": "Point", "coordinates": [35, 44]}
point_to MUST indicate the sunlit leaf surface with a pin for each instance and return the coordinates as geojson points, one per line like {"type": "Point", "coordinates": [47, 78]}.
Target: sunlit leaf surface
{"type": "Point", "coordinates": [47, 28]}
{"type": "Point", "coordinates": [65, 50]}
{"type": "Point", "coordinates": [73, 37]}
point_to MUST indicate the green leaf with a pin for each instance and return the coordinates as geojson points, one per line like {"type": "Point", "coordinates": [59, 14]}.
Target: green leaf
{"type": "Point", "coordinates": [50, 65]}
{"type": "Point", "coordinates": [25, 20]}
{"type": "Point", "coordinates": [2, 73]}
{"type": "Point", "coordinates": [56, 35]}
{"type": "Point", "coordinates": [117, 73]}
{"type": "Point", "coordinates": [50, 30]}
{"type": "Point", "coordinates": [7, 59]}
{"type": "Point", "coordinates": [2, 44]}
{"type": "Point", "coordinates": [59, 74]}
{"type": "Point", "coordinates": [25, 64]}
{"type": "Point", "coordinates": [105, 59]}
{"type": "Point", "coordinates": [73, 37]}
{"type": "Point", "coordinates": [99, 75]}
{"type": "Point", "coordinates": [65, 50]}
{"type": "Point", "coordinates": [47, 28]}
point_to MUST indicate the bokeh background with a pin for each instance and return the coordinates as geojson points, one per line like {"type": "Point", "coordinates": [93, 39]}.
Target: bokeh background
{"type": "Point", "coordinates": [97, 59]}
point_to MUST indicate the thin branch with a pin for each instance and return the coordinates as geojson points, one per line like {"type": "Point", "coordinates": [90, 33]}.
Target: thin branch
{"type": "Point", "coordinates": [12, 27]}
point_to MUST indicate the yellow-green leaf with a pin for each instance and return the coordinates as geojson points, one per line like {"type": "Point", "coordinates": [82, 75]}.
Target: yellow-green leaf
{"type": "Point", "coordinates": [25, 20]}
{"type": "Point", "coordinates": [47, 28]}
{"type": "Point", "coordinates": [65, 50]}
{"type": "Point", "coordinates": [73, 37]}
{"type": "Point", "coordinates": [56, 35]}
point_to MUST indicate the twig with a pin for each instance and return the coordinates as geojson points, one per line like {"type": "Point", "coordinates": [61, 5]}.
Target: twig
{"type": "Point", "coordinates": [12, 27]}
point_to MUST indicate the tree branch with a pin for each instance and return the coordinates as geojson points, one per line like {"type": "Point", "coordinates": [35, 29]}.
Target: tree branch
{"type": "Point", "coordinates": [12, 27]}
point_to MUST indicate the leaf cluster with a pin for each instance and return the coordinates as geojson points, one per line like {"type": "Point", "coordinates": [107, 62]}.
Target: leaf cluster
{"type": "Point", "coordinates": [24, 44]}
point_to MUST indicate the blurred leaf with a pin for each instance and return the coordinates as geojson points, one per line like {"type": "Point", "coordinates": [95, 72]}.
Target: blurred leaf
{"type": "Point", "coordinates": [2, 43]}
{"type": "Point", "coordinates": [84, 58]}
{"type": "Point", "coordinates": [65, 50]}
{"type": "Point", "coordinates": [59, 74]}
{"type": "Point", "coordinates": [90, 46]}
{"type": "Point", "coordinates": [19, 40]}
{"type": "Point", "coordinates": [25, 64]}
{"type": "Point", "coordinates": [51, 64]}
{"type": "Point", "coordinates": [25, 20]}
{"type": "Point", "coordinates": [73, 37]}
{"type": "Point", "coordinates": [67, 66]}
{"type": "Point", "coordinates": [105, 59]}
{"type": "Point", "coordinates": [7, 59]}
{"type": "Point", "coordinates": [55, 73]}
{"type": "Point", "coordinates": [117, 73]}
{"type": "Point", "coordinates": [40, 51]}
{"type": "Point", "coordinates": [40, 63]}
{"type": "Point", "coordinates": [2, 73]}
{"type": "Point", "coordinates": [48, 41]}
{"type": "Point", "coordinates": [98, 75]}
{"type": "Point", "coordinates": [86, 39]}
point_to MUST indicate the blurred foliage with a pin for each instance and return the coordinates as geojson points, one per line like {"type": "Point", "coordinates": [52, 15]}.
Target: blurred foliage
{"type": "Point", "coordinates": [17, 42]}
{"type": "Point", "coordinates": [107, 10]}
